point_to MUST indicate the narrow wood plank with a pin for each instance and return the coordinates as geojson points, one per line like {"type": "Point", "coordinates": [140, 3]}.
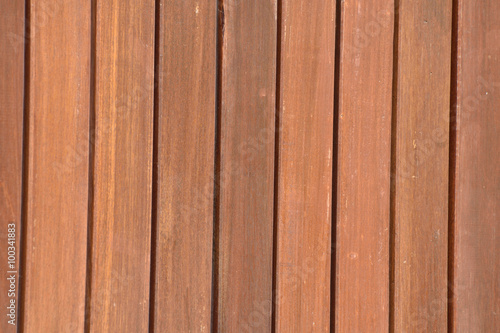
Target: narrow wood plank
{"type": "Point", "coordinates": [186, 137]}
{"type": "Point", "coordinates": [476, 209]}
{"type": "Point", "coordinates": [11, 149]}
{"type": "Point", "coordinates": [57, 180]}
{"type": "Point", "coordinates": [247, 165]}
{"type": "Point", "coordinates": [305, 166]}
{"type": "Point", "coordinates": [122, 179]}
{"type": "Point", "coordinates": [364, 155]}
{"type": "Point", "coordinates": [420, 156]}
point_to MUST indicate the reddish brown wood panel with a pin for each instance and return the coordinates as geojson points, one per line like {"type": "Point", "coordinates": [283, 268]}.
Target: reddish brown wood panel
{"type": "Point", "coordinates": [11, 150]}
{"type": "Point", "coordinates": [305, 166]}
{"type": "Point", "coordinates": [364, 154]}
{"type": "Point", "coordinates": [122, 166]}
{"type": "Point", "coordinates": [173, 164]}
{"type": "Point", "coordinates": [476, 190]}
{"type": "Point", "coordinates": [248, 96]}
{"type": "Point", "coordinates": [57, 179]}
{"type": "Point", "coordinates": [420, 156]}
{"type": "Point", "coordinates": [186, 138]}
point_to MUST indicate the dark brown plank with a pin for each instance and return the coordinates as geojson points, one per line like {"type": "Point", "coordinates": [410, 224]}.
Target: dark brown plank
{"type": "Point", "coordinates": [57, 178]}
{"type": "Point", "coordinates": [476, 190]}
{"type": "Point", "coordinates": [186, 137]}
{"type": "Point", "coordinates": [11, 150]}
{"type": "Point", "coordinates": [364, 154]}
{"type": "Point", "coordinates": [247, 165]}
{"type": "Point", "coordinates": [420, 157]}
{"type": "Point", "coordinates": [305, 166]}
{"type": "Point", "coordinates": [122, 168]}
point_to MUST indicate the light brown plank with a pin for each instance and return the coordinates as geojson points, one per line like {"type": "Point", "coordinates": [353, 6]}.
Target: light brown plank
{"type": "Point", "coordinates": [57, 179]}
{"type": "Point", "coordinates": [11, 150]}
{"type": "Point", "coordinates": [122, 168]}
{"type": "Point", "coordinates": [364, 155]}
{"type": "Point", "coordinates": [305, 166]}
{"type": "Point", "coordinates": [186, 137]}
{"type": "Point", "coordinates": [247, 166]}
{"type": "Point", "coordinates": [476, 190]}
{"type": "Point", "coordinates": [420, 157]}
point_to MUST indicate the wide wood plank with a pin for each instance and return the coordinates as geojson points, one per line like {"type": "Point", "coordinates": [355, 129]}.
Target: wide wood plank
{"type": "Point", "coordinates": [11, 150]}
{"type": "Point", "coordinates": [247, 165]}
{"type": "Point", "coordinates": [57, 179]}
{"type": "Point", "coordinates": [420, 157]}
{"type": "Point", "coordinates": [476, 181]}
{"type": "Point", "coordinates": [186, 138]}
{"type": "Point", "coordinates": [364, 154]}
{"type": "Point", "coordinates": [305, 166]}
{"type": "Point", "coordinates": [122, 166]}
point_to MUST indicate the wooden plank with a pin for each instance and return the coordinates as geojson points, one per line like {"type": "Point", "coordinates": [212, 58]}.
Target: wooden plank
{"type": "Point", "coordinates": [12, 22]}
{"type": "Point", "coordinates": [186, 137]}
{"type": "Point", "coordinates": [476, 181]}
{"type": "Point", "coordinates": [305, 166]}
{"type": "Point", "coordinates": [364, 155]}
{"type": "Point", "coordinates": [420, 157]}
{"type": "Point", "coordinates": [57, 179]}
{"type": "Point", "coordinates": [122, 168]}
{"type": "Point", "coordinates": [247, 166]}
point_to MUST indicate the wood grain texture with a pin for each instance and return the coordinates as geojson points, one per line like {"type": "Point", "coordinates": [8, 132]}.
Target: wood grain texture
{"type": "Point", "coordinates": [186, 138]}
{"type": "Point", "coordinates": [364, 154]}
{"type": "Point", "coordinates": [420, 157]}
{"type": "Point", "coordinates": [247, 166]}
{"type": "Point", "coordinates": [12, 22]}
{"type": "Point", "coordinates": [122, 168]}
{"type": "Point", "coordinates": [305, 166]}
{"type": "Point", "coordinates": [476, 208]}
{"type": "Point", "coordinates": [57, 179]}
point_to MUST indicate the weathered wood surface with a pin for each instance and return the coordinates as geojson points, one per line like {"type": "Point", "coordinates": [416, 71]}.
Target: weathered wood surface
{"type": "Point", "coordinates": [305, 157]}
{"type": "Point", "coordinates": [57, 178]}
{"type": "Point", "coordinates": [122, 164]}
{"type": "Point", "coordinates": [12, 24]}
{"type": "Point", "coordinates": [475, 288]}
{"type": "Point", "coordinates": [364, 153]}
{"type": "Point", "coordinates": [186, 78]}
{"type": "Point", "coordinates": [420, 166]}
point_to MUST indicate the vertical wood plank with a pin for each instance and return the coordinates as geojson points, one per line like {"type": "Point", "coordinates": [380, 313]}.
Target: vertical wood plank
{"type": "Point", "coordinates": [305, 166]}
{"type": "Point", "coordinates": [11, 149]}
{"type": "Point", "coordinates": [57, 180]}
{"type": "Point", "coordinates": [364, 154]}
{"type": "Point", "coordinates": [122, 168]}
{"type": "Point", "coordinates": [476, 182]}
{"type": "Point", "coordinates": [248, 100]}
{"type": "Point", "coordinates": [420, 157]}
{"type": "Point", "coordinates": [186, 137]}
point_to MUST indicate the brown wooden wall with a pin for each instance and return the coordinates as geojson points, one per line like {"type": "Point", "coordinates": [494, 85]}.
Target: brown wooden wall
{"type": "Point", "coordinates": [250, 166]}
